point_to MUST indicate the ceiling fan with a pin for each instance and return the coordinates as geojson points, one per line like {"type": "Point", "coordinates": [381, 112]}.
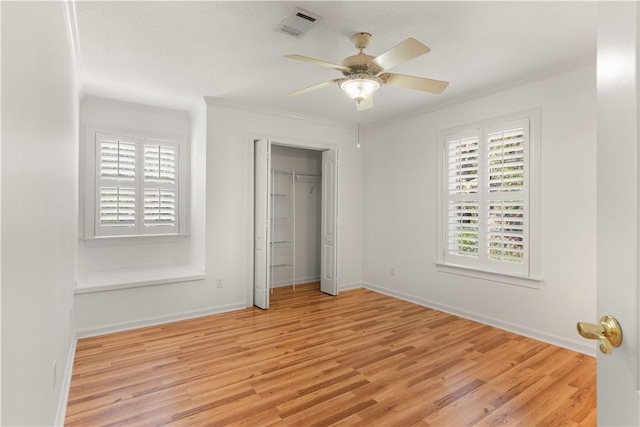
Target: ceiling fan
{"type": "Point", "coordinates": [364, 74]}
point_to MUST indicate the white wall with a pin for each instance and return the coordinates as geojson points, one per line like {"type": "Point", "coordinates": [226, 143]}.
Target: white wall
{"type": "Point", "coordinates": [39, 208]}
{"type": "Point", "coordinates": [400, 212]}
{"type": "Point", "coordinates": [230, 195]}
{"type": "Point", "coordinates": [120, 309]}
{"type": "Point", "coordinates": [97, 255]}
{"type": "Point", "coordinates": [198, 185]}
{"type": "Point", "coordinates": [298, 159]}
{"type": "Point", "coordinates": [307, 210]}
{"type": "Point", "coordinates": [228, 228]}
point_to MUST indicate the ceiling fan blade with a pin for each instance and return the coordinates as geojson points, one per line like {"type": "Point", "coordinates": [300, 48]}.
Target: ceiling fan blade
{"type": "Point", "coordinates": [318, 62]}
{"type": "Point", "coordinates": [311, 88]}
{"type": "Point", "coordinates": [408, 49]}
{"type": "Point", "coordinates": [413, 82]}
{"type": "Point", "coordinates": [365, 104]}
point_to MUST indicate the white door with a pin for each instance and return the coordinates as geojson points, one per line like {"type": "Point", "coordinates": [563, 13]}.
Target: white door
{"type": "Point", "coordinates": [262, 227]}
{"type": "Point", "coordinates": [618, 219]}
{"type": "Point", "coordinates": [329, 227]}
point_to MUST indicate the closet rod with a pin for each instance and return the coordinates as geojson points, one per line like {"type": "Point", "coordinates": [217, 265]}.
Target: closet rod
{"type": "Point", "coordinates": [309, 174]}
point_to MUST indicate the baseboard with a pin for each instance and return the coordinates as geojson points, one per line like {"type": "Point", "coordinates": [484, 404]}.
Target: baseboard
{"type": "Point", "coordinates": [299, 281]}
{"type": "Point", "coordinates": [341, 286]}
{"type": "Point", "coordinates": [308, 279]}
{"type": "Point", "coordinates": [281, 285]}
{"type": "Point", "coordinates": [66, 384]}
{"type": "Point", "coordinates": [348, 286]}
{"type": "Point", "coordinates": [152, 321]}
{"type": "Point", "coordinates": [578, 346]}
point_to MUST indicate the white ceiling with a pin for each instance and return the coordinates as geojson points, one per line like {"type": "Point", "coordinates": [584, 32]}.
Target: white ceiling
{"type": "Point", "coordinates": [170, 54]}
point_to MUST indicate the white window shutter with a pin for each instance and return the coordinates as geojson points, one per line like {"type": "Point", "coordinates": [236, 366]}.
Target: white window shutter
{"type": "Point", "coordinates": [463, 165]}
{"type": "Point", "coordinates": [160, 163]}
{"type": "Point", "coordinates": [507, 197]}
{"type": "Point", "coordinates": [159, 207]}
{"type": "Point", "coordinates": [116, 206]}
{"type": "Point", "coordinates": [462, 222]}
{"type": "Point", "coordinates": [463, 228]}
{"type": "Point", "coordinates": [486, 199]}
{"type": "Point", "coordinates": [137, 186]}
{"type": "Point", "coordinates": [505, 160]}
{"type": "Point", "coordinates": [505, 231]}
{"type": "Point", "coordinates": [117, 159]}
{"type": "Point", "coordinates": [160, 187]}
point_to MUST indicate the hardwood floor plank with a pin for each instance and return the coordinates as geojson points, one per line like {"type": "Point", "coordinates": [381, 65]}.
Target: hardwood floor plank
{"type": "Point", "coordinates": [344, 413]}
{"type": "Point", "coordinates": [361, 358]}
{"type": "Point", "coordinates": [465, 411]}
{"type": "Point", "coordinates": [526, 402]}
{"type": "Point", "coordinates": [591, 419]}
{"type": "Point", "coordinates": [536, 413]}
{"type": "Point", "coordinates": [311, 400]}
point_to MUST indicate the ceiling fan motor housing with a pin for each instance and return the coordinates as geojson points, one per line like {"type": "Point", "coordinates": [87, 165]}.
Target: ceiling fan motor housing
{"type": "Point", "coordinates": [361, 63]}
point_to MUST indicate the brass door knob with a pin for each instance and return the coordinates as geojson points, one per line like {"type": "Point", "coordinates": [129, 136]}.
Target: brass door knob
{"type": "Point", "coordinates": [608, 332]}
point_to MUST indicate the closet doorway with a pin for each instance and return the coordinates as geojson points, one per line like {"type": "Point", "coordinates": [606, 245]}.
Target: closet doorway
{"type": "Point", "coordinates": [295, 218]}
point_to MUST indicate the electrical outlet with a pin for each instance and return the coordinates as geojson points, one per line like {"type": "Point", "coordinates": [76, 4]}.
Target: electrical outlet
{"type": "Point", "coordinates": [55, 373]}
{"type": "Point", "coordinates": [393, 271]}
{"type": "Point", "coordinates": [219, 282]}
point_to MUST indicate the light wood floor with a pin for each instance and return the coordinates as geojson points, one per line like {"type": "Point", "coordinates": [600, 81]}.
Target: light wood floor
{"type": "Point", "coordinates": [361, 358]}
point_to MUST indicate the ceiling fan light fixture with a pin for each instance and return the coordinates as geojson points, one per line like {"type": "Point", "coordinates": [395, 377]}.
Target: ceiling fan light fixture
{"type": "Point", "coordinates": [359, 86]}
{"type": "Point", "coordinates": [364, 74]}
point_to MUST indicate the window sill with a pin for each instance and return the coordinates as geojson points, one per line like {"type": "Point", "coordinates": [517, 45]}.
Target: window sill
{"type": "Point", "coordinates": [510, 279]}
{"type": "Point", "coordinates": [110, 280]}
{"type": "Point", "coordinates": [133, 240]}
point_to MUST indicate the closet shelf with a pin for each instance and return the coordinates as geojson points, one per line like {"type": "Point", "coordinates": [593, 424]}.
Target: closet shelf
{"type": "Point", "coordinates": [281, 265]}
{"type": "Point", "coordinates": [283, 219]}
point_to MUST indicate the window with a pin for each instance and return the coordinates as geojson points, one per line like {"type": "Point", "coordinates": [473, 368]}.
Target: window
{"type": "Point", "coordinates": [486, 198]}
{"type": "Point", "coordinates": [137, 186]}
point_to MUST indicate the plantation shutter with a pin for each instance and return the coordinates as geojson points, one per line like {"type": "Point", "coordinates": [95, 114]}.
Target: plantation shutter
{"type": "Point", "coordinates": [463, 198]}
{"type": "Point", "coordinates": [116, 185]}
{"type": "Point", "coordinates": [137, 186]}
{"type": "Point", "coordinates": [506, 197]}
{"type": "Point", "coordinates": [487, 198]}
{"type": "Point", "coordinates": [160, 187]}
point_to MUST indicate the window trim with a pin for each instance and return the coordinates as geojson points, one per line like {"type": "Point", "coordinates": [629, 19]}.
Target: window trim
{"type": "Point", "coordinates": [532, 279]}
{"type": "Point", "coordinates": [90, 178]}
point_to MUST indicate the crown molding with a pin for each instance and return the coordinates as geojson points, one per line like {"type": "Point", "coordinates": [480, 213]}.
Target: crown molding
{"type": "Point", "coordinates": [519, 81]}
{"type": "Point", "coordinates": [217, 102]}
{"type": "Point", "coordinates": [95, 100]}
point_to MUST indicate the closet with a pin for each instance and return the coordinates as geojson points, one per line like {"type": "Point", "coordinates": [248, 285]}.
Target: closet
{"type": "Point", "coordinates": [295, 217]}
{"type": "Point", "coordinates": [295, 213]}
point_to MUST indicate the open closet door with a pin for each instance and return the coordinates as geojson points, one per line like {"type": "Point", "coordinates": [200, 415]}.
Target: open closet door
{"type": "Point", "coordinates": [262, 228]}
{"type": "Point", "coordinates": [329, 228]}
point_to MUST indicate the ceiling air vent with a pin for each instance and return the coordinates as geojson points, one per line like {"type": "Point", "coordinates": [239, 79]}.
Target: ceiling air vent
{"type": "Point", "coordinates": [298, 23]}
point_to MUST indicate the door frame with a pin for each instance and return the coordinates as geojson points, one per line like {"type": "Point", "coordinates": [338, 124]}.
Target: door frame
{"type": "Point", "coordinates": [286, 142]}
